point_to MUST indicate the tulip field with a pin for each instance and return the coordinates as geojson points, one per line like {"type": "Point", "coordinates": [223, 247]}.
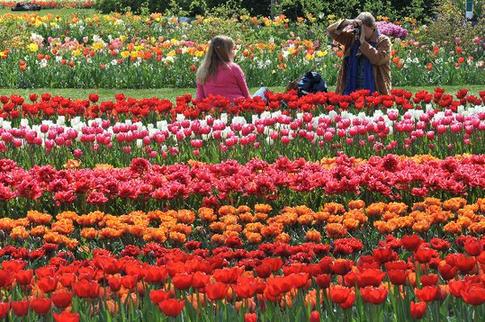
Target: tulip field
{"type": "Point", "coordinates": [127, 51]}
{"type": "Point", "coordinates": [323, 207]}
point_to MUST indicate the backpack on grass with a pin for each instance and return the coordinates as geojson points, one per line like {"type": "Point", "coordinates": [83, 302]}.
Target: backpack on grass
{"type": "Point", "coordinates": [311, 82]}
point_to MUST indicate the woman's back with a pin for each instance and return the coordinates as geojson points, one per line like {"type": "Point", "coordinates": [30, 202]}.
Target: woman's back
{"type": "Point", "coordinates": [229, 81]}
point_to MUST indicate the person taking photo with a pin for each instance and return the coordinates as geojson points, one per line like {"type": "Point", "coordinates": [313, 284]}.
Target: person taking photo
{"type": "Point", "coordinates": [366, 63]}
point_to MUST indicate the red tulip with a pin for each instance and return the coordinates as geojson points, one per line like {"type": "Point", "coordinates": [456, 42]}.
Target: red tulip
{"type": "Point", "coordinates": [342, 266]}
{"type": "Point", "coordinates": [473, 294]}
{"type": "Point", "coordinates": [396, 265]}
{"type": "Point", "coordinates": [216, 291]}
{"type": "Point", "coordinates": [155, 274]}
{"type": "Point", "coordinates": [411, 242]}
{"type": "Point", "coordinates": [350, 279]}
{"type": "Point", "coordinates": [157, 296]}
{"type": "Point", "coordinates": [33, 97]}
{"type": "Point", "coordinates": [418, 309]}
{"type": "Point", "coordinates": [384, 254]}
{"type": "Point", "coordinates": [41, 306]}
{"type": "Point", "coordinates": [349, 302]}
{"type": "Point", "coordinates": [338, 293]}
{"type": "Point", "coordinates": [244, 290]}
{"type": "Point", "coordinates": [93, 98]}
{"type": "Point", "coordinates": [473, 247]}
{"type": "Point", "coordinates": [374, 295]}
{"type": "Point", "coordinates": [397, 276]}
{"type": "Point", "coordinates": [182, 281]}
{"type": "Point", "coordinates": [315, 316]}
{"type": "Point", "coordinates": [4, 308]}
{"type": "Point", "coordinates": [439, 244]}
{"type": "Point", "coordinates": [61, 299]}
{"type": "Point", "coordinates": [24, 277]}
{"type": "Point", "coordinates": [86, 289]}
{"type": "Point", "coordinates": [250, 317]}
{"type": "Point", "coordinates": [430, 279]}
{"type": "Point", "coordinates": [129, 281]}
{"type": "Point", "coordinates": [263, 270]}
{"type": "Point", "coordinates": [200, 280]}
{"type": "Point", "coordinates": [424, 254]}
{"type": "Point", "coordinates": [13, 265]}
{"type": "Point", "coordinates": [447, 271]}
{"type": "Point", "coordinates": [20, 308]}
{"type": "Point", "coordinates": [227, 275]}
{"type": "Point", "coordinates": [323, 280]}
{"type": "Point", "coordinates": [464, 263]}
{"type": "Point", "coordinates": [114, 283]}
{"type": "Point", "coordinates": [427, 293]}
{"type": "Point", "coordinates": [298, 280]}
{"type": "Point", "coordinates": [66, 316]}
{"type": "Point", "coordinates": [326, 264]}
{"type": "Point", "coordinates": [67, 279]}
{"type": "Point", "coordinates": [370, 277]}
{"type": "Point", "coordinates": [171, 307]}
{"type": "Point", "coordinates": [455, 287]}
{"type": "Point", "coordinates": [6, 279]}
{"type": "Point", "coordinates": [47, 284]}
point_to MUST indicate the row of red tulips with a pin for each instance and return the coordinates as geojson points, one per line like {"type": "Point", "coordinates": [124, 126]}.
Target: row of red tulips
{"type": "Point", "coordinates": [46, 105]}
{"type": "Point", "coordinates": [283, 182]}
{"type": "Point", "coordinates": [398, 279]}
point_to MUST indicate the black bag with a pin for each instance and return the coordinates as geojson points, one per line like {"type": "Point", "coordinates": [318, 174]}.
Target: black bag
{"type": "Point", "coordinates": [26, 7]}
{"type": "Point", "coordinates": [311, 82]}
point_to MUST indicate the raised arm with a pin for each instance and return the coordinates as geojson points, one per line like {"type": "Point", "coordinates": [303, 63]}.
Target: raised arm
{"type": "Point", "coordinates": [380, 55]}
{"type": "Point", "coordinates": [337, 32]}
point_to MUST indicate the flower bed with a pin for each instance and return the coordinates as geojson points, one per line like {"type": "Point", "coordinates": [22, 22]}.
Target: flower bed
{"type": "Point", "coordinates": [401, 278]}
{"type": "Point", "coordinates": [281, 182]}
{"type": "Point", "coordinates": [58, 131]}
{"type": "Point", "coordinates": [98, 51]}
{"type": "Point", "coordinates": [51, 4]}
{"type": "Point", "coordinates": [194, 210]}
{"type": "Point", "coordinates": [246, 226]}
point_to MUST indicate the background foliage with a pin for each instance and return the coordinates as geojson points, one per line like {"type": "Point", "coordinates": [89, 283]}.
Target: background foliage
{"type": "Point", "coordinates": [395, 9]}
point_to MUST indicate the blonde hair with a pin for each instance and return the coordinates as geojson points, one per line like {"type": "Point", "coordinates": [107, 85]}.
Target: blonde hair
{"type": "Point", "coordinates": [218, 53]}
{"type": "Point", "coordinates": [367, 19]}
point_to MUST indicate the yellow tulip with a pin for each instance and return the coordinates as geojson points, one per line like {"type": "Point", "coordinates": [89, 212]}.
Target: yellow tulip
{"type": "Point", "coordinates": [33, 47]}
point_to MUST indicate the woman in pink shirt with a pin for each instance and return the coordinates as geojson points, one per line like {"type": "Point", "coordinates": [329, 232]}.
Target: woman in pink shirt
{"type": "Point", "coordinates": [219, 75]}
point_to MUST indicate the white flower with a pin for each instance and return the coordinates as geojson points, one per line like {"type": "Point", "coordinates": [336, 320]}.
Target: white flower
{"type": "Point", "coordinates": [61, 120]}
{"type": "Point", "coordinates": [238, 120]}
{"type": "Point", "coordinates": [224, 118]}
{"type": "Point", "coordinates": [36, 38]}
{"type": "Point", "coordinates": [7, 125]}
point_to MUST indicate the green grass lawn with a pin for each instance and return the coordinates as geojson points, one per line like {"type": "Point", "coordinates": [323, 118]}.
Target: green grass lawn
{"type": "Point", "coordinates": [172, 93]}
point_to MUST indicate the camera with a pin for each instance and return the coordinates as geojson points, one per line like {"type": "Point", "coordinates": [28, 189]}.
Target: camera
{"type": "Point", "coordinates": [356, 31]}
